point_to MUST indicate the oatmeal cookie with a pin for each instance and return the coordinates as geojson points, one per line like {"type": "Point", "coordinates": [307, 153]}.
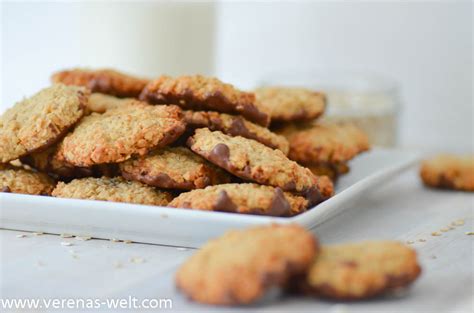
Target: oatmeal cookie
{"type": "Point", "coordinates": [50, 162]}
{"type": "Point", "coordinates": [99, 102]}
{"type": "Point", "coordinates": [361, 270]}
{"type": "Point", "coordinates": [253, 161]}
{"type": "Point", "coordinates": [114, 189]}
{"type": "Point", "coordinates": [175, 168]}
{"type": "Point", "coordinates": [236, 126]}
{"type": "Point", "coordinates": [38, 122]}
{"type": "Point", "coordinates": [291, 104]}
{"type": "Point", "coordinates": [204, 93]}
{"type": "Point", "coordinates": [324, 142]}
{"type": "Point", "coordinates": [19, 180]}
{"type": "Point", "coordinates": [106, 81]}
{"type": "Point", "coordinates": [121, 133]}
{"type": "Point", "coordinates": [241, 265]}
{"type": "Point", "coordinates": [449, 171]}
{"type": "Point", "coordinates": [242, 198]}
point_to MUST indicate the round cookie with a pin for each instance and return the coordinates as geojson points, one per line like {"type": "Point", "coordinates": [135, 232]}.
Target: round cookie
{"type": "Point", "coordinates": [449, 171]}
{"type": "Point", "coordinates": [102, 80]}
{"type": "Point", "coordinates": [201, 93]}
{"type": "Point", "coordinates": [360, 270]}
{"type": "Point", "coordinates": [253, 161]}
{"type": "Point", "coordinates": [99, 102]}
{"type": "Point", "coordinates": [236, 126]}
{"type": "Point", "coordinates": [38, 122]}
{"type": "Point", "coordinates": [238, 267]}
{"type": "Point", "coordinates": [242, 198]}
{"type": "Point", "coordinates": [114, 189]}
{"type": "Point", "coordinates": [324, 142]}
{"type": "Point", "coordinates": [291, 104]}
{"type": "Point", "coordinates": [50, 162]}
{"type": "Point", "coordinates": [19, 180]}
{"type": "Point", "coordinates": [121, 133]}
{"type": "Point", "coordinates": [175, 168]}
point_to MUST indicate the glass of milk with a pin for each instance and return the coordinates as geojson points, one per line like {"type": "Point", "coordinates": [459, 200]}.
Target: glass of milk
{"type": "Point", "coordinates": [148, 38]}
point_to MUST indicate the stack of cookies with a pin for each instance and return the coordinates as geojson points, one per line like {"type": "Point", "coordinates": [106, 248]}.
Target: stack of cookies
{"type": "Point", "coordinates": [189, 142]}
{"type": "Point", "coordinates": [325, 148]}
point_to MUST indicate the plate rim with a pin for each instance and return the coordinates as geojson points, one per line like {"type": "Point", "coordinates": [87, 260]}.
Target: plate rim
{"type": "Point", "coordinates": [152, 209]}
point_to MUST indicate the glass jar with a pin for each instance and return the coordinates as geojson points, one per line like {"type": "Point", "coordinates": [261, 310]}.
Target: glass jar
{"type": "Point", "coordinates": [369, 101]}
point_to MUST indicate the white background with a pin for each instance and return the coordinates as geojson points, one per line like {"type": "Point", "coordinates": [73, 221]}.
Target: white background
{"type": "Point", "coordinates": [425, 46]}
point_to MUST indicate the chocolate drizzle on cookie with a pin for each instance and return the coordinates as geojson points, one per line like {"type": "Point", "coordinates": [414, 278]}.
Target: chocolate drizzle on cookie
{"type": "Point", "coordinates": [252, 113]}
{"type": "Point", "coordinates": [5, 189]}
{"type": "Point", "coordinates": [279, 205]}
{"type": "Point", "coordinates": [161, 180]}
{"type": "Point", "coordinates": [224, 203]}
{"type": "Point", "coordinates": [313, 195]}
{"type": "Point", "coordinates": [238, 128]}
{"type": "Point", "coordinates": [290, 186]}
{"type": "Point", "coordinates": [232, 125]}
{"type": "Point", "coordinates": [220, 155]}
{"type": "Point", "coordinates": [445, 182]}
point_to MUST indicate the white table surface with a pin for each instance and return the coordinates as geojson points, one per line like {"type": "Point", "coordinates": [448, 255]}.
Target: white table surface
{"type": "Point", "coordinates": [402, 209]}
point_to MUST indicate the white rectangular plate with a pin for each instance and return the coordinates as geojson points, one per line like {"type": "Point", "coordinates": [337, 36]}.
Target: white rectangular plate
{"type": "Point", "coordinates": [184, 227]}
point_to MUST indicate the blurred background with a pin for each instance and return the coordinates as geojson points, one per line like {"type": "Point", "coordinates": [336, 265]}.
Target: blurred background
{"type": "Point", "coordinates": [405, 61]}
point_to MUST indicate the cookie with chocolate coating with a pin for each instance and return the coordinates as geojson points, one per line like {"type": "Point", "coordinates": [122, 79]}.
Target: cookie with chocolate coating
{"type": "Point", "coordinates": [360, 270]}
{"type": "Point", "coordinates": [240, 266]}
{"type": "Point", "coordinates": [291, 104]}
{"type": "Point", "coordinates": [236, 126]}
{"type": "Point", "coordinates": [120, 133]}
{"type": "Point", "coordinates": [174, 168]}
{"type": "Point", "coordinates": [40, 121]}
{"type": "Point", "coordinates": [242, 198]}
{"type": "Point", "coordinates": [201, 93]}
{"type": "Point", "coordinates": [251, 160]}
{"type": "Point", "coordinates": [449, 172]}
{"type": "Point", "coordinates": [106, 81]}
{"type": "Point", "coordinates": [114, 189]}
{"type": "Point", "coordinates": [324, 142]}
{"type": "Point", "coordinates": [18, 180]}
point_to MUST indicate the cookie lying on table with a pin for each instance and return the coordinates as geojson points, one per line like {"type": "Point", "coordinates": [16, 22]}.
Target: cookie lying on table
{"type": "Point", "coordinates": [360, 270]}
{"type": "Point", "coordinates": [240, 266]}
{"type": "Point", "coordinates": [449, 172]}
